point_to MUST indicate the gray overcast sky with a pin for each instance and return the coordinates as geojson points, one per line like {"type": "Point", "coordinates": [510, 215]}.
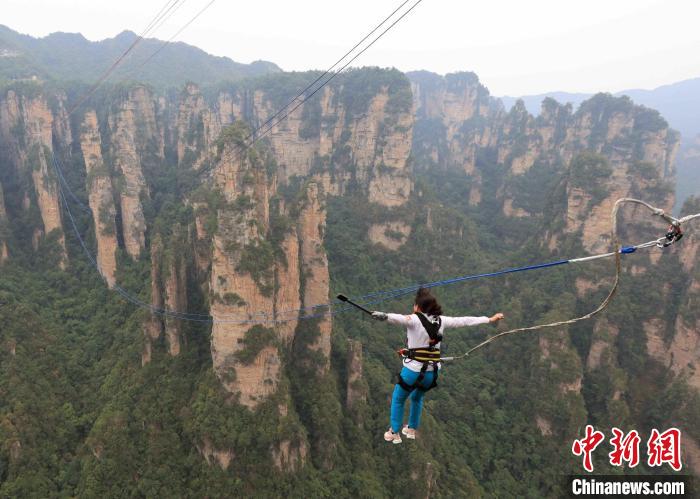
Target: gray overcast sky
{"type": "Point", "coordinates": [516, 47]}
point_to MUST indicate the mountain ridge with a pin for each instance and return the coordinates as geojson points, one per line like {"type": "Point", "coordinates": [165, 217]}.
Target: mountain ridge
{"type": "Point", "coordinates": [678, 102]}
{"type": "Point", "coordinates": [70, 56]}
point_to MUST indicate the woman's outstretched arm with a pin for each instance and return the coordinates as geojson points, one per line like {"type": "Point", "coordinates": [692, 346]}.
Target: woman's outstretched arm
{"type": "Point", "coordinates": [452, 322]}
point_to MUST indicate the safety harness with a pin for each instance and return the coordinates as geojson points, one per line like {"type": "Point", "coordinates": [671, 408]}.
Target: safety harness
{"type": "Point", "coordinates": [426, 355]}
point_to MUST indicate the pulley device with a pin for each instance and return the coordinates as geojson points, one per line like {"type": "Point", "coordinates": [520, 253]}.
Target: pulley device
{"type": "Point", "coordinates": [674, 234]}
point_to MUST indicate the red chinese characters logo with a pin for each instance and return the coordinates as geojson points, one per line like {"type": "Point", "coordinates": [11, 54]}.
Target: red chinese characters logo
{"type": "Point", "coordinates": [665, 448]}
{"type": "Point", "coordinates": [587, 445]}
{"type": "Point", "coordinates": [662, 448]}
{"type": "Point", "coordinates": [625, 448]}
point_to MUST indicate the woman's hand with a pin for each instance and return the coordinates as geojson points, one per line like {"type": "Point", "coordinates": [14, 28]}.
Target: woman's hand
{"type": "Point", "coordinates": [496, 317]}
{"type": "Point", "coordinates": [379, 316]}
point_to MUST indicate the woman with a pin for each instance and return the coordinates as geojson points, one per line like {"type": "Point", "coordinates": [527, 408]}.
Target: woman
{"type": "Point", "coordinates": [424, 331]}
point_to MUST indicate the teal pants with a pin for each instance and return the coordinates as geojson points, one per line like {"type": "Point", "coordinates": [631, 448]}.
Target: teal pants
{"type": "Point", "coordinates": [398, 400]}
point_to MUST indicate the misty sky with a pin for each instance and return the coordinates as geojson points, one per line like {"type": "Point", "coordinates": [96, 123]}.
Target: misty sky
{"type": "Point", "coordinates": [516, 47]}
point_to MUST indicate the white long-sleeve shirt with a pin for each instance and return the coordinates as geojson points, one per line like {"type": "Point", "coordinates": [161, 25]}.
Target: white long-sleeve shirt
{"type": "Point", "coordinates": [417, 336]}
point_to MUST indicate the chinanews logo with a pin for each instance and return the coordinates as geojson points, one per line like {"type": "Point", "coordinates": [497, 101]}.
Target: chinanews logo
{"type": "Point", "coordinates": [661, 448]}
{"type": "Point", "coordinates": [625, 449]}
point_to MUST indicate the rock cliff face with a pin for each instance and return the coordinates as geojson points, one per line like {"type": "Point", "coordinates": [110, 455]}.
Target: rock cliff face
{"type": "Point", "coordinates": [371, 147]}
{"type": "Point", "coordinates": [4, 231]}
{"type": "Point", "coordinates": [134, 135]}
{"type": "Point", "coordinates": [471, 132]}
{"type": "Point", "coordinates": [175, 289]}
{"type": "Point", "coordinates": [680, 351]}
{"type": "Point", "coordinates": [314, 264]}
{"type": "Point", "coordinates": [266, 264]}
{"type": "Point", "coordinates": [153, 326]}
{"type": "Point", "coordinates": [168, 292]}
{"type": "Point", "coordinates": [288, 296]}
{"type": "Point", "coordinates": [376, 141]}
{"type": "Point", "coordinates": [242, 281]}
{"type": "Point", "coordinates": [356, 385]}
{"type": "Point", "coordinates": [198, 126]}
{"type": "Point", "coordinates": [101, 197]}
{"type": "Point", "coordinates": [26, 131]}
{"type": "Point", "coordinates": [212, 455]}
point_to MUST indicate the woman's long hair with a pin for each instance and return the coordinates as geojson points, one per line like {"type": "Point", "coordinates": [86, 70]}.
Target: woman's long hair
{"type": "Point", "coordinates": [427, 303]}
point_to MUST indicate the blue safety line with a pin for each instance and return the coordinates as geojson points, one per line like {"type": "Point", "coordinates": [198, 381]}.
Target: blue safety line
{"type": "Point", "coordinates": [298, 314]}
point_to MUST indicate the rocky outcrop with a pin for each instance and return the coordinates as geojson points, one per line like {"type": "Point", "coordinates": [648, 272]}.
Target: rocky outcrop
{"type": "Point", "coordinates": [679, 349]}
{"type": "Point", "coordinates": [134, 137]}
{"type": "Point", "coordinates": [602, 345]}
{"type": "Point", "coordinates": [314, 264]}
{"type": "Point", "coordinates": [168, 292]}
{"type": "Point", "coordinates": [293, 149]}
{"type": "Point", "coordinates": [635, 144]}
{"type": "Point", "coordinates": [459, 120]}
{"type": "Point", "coordinates": [377, 142]}
{"type": "Point", "coordinates": [562, 362]}
{"type": "Point", "coordinates": [241, 284]}
{"type": "Point", "coordinates": [388, 151]}
{"type": "Point", "coordinates": [61, 123]}
{"type": "Point", "coordinates": [356, 385]}
{"type": "Point", "coordinates": [258, 267]}
{"type": "Point", "coordinates": [4, 230]}
{"type": "Point", "coordinates": [371, 146]}
{"type": "Point", "coordinates": [682, 353]}
{"type": "Point", "coordinates": [614, 149]}
{"type": "Point", "coordinates": [198, 126]}
{"type": "Point", "coordinates": [175, 289]}
{"type": "Point", "coordinates": [544, 425]}
{"type": "Point", "coordinates": [101, 197]}
{"type": "Point", "coordinates": [391, 235]}
{"type": "Point", "coordinates": [289, 457]}
{"type": "Point", "coordinates": [151, 134]}
{"type": "Point", "coordinates": [684, 350]}
{"type": "Point", "coordinates": [288, 296]}
{"type": "Point", "coordinates": [213, 455]}
{"type": "Point", "coordinates": [453, 100]}
{"type": "Point", "coordinates": [685, 347]}
{"type": "Point", "coordinates": [26, 130]}
{"type": "Point", "coordinates": [200, 234]}
{"type": "Point", "coordinates": [153, 327]}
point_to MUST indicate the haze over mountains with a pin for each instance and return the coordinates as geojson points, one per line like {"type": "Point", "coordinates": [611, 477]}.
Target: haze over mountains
{"type": "Point", "coordinates": [70, 56]}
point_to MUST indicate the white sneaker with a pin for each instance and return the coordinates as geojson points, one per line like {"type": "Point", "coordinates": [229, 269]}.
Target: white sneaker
{"type": "Point", "coordinates": [390, 436]}
{"type": "Point", "coordinates": [410, 433]}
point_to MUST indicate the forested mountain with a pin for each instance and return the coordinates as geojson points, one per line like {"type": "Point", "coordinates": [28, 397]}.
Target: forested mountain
{"type": "Point", "coordinates": [678, 103]}
{"type": "Point", "coordinates": [71, 57]}
{"type": "Point", "coordinates": [379, 181]}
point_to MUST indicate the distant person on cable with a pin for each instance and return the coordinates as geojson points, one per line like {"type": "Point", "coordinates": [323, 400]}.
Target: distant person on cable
{"type": "Point", "coordinates": [424, 330]}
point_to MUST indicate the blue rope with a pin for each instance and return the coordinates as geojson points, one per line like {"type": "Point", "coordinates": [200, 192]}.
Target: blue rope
{"type": "Point", "coordinates": [298, 314]}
